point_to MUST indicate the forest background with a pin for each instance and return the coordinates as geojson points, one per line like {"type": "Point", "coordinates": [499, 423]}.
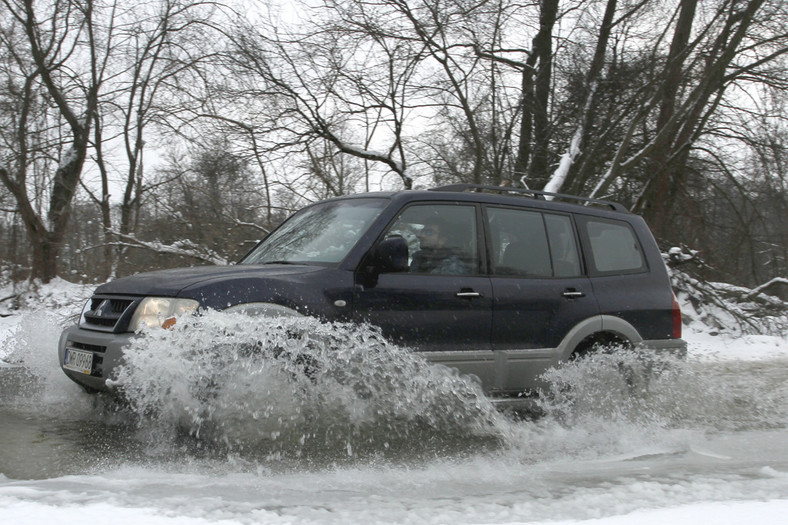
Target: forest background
{"type": "Point", "coordinates": [160, 133]}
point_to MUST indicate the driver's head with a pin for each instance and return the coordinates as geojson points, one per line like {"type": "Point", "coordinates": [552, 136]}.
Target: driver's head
{"type": "Point", "coordinates": [433, 234]}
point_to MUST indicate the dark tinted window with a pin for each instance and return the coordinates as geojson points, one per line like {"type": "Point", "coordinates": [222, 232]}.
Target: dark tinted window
{"type": "Point", "coordinates": [614, 247]}
{"type": "Point", "coordinates": [519, 243]}
{"type": "Point", "coordinates": [563, 246]}
{"type": "Point", "coordinates": [531, 244]}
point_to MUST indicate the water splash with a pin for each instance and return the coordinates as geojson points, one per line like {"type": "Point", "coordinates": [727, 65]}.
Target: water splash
{"type": "Point", "coordinates": [639, 386]}
{"type": "Point", "coordinates": [34, 381]}
{"type": "Point", "coordinates": [296, 386]}
{"type": "Point", "coordinates": [232, 387]}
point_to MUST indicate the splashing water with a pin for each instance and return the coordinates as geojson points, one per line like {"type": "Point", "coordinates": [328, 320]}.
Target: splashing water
{"type": "Point", "coordinates": [639, 386]}
{"type": "Point", "coordinates": [37, 384]}
{"type": "Point", "coordinates": [295, 386]}
{"type": "Point", "coordinates": [231, 386]}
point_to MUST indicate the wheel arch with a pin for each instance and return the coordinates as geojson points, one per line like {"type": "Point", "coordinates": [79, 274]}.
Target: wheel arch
{"type": "Point", "coordinates": [601, 329]}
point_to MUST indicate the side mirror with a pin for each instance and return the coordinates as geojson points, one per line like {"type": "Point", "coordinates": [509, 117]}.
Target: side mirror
{"type": "Point", "coordinates": [391, 255]}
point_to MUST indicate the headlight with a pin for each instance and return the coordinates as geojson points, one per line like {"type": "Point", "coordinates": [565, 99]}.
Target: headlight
{"type": "Point", "coordinates": [161, 312]}
{"type": "Point", "coordinates": [85, 309]}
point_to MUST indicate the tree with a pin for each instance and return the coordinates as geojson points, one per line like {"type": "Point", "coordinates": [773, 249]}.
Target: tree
{"type": "Point", "coordinates": [670, 151]}
{"type": "Point", "coordinates": [532, 162]}
{"type": "Point", "coordinates": [314, 85]}
{"type": "Point", "coordinates": [56, 60]}
{"type": "Point", "coordinates": [370, 77]}
{"type": "Point", "coordinates": [161, 47]}
{"type": "Point", "coordinates": [658, 104]}
{"type": "Point", "coordinates": [736, 43]}
{"type": "Point", "coordinates": [207, 201]}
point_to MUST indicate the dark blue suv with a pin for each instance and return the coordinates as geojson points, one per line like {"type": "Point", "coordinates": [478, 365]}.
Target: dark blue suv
{"type": "Point", "coordinates": [499, 283]}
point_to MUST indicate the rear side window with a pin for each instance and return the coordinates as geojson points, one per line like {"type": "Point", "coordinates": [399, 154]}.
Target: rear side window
{"type": "Point", "coordinates": [614, 246]}
{"type": "Point", "coordinates": [563, 245]}
{"type": "Point", "coordinates": [531, 244]}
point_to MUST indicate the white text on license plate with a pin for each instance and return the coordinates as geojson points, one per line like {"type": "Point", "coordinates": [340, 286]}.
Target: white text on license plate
{"type": "Point", "coordinates": [78, 360]}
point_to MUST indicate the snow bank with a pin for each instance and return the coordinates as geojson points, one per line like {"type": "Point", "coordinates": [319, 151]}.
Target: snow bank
{"type": "Point", "coordinates": [722, 513]}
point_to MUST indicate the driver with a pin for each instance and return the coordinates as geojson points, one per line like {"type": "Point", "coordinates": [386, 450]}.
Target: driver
{"type": "Point", "coordinates": [435, 254]}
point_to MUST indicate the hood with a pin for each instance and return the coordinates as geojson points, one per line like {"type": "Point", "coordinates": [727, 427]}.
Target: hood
{"type": "Point", "coordinates": [169, 283]}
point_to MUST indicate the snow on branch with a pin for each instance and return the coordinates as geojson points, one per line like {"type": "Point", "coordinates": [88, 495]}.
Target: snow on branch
{"type": "Point", "coordinates": [376, 156]}
{"type": "Point", "coordinates": [559, 176]}
{"type": "Point", "coordinates": [184, 248]}
{"type": "Point", "coordinates": [724, 306]}
{"type": "Point", "coordinates": [765, 286]}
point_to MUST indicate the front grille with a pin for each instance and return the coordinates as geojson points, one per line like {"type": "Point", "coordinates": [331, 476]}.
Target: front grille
{"type": "Point", "coordinates": [84, 346]}
{"type": "Point", "coordinates": [109, 313]}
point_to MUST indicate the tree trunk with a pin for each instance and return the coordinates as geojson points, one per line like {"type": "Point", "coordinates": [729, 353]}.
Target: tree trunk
{"type": "Point", "coordinates": [537, 170]}
{"type": "Point", "coordinates": [655, 200]}
{"type": "Point", "coordinates": [45, 253]}
{"type": "Point", "coordinates": [562, 174]}
{"type": "Point", "coordinates": [45, 246]}
{"type": "Point", "coordinates": [536, 87]}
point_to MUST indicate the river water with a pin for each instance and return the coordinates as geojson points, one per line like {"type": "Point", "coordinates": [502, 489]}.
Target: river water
{"type": "Point", "coordinates": [214, 427]}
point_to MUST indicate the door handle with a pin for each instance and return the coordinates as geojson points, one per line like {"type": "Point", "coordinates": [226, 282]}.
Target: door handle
{"type": "Point", "coordinates": [468, 293]}
{"type": "Point", "coordinates": [573, 294]}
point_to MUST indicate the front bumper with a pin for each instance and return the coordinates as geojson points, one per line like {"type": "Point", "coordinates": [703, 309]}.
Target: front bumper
{"type": "Point", "coordinates": [107, 350]}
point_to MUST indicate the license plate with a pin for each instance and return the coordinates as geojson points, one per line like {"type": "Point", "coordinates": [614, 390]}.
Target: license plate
{"type": "Point", "coordinates": [78, 361]}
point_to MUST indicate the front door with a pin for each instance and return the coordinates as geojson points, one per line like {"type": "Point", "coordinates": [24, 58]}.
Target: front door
{"type": "Point", "coordinates": [539, 292]}
{"type": "Point", "coordinates": [441, 306]}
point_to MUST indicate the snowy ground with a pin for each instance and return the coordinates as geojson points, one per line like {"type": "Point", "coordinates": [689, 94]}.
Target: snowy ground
{"type": "Point", "coordinates": [721, 457]}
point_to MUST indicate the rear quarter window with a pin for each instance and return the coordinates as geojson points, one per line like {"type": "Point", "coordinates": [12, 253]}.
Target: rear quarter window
{"type": "Point", "coordinates": [613, 245]}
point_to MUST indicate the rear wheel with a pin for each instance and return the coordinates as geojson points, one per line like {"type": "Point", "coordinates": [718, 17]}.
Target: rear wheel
{"type": "Point", "coordinates": [601, 343]}
{"type": "Point", "coordinates": [634, 368]}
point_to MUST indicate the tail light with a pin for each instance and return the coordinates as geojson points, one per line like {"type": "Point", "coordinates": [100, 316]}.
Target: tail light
{"type": "Point", "coordinates": [676, 313]}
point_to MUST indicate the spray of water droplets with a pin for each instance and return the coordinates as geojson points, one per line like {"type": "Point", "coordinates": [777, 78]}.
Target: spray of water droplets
{"type": "Point", "coordinates": [294, 386]}
{"type": "Point", "coordinates": [233, 386]}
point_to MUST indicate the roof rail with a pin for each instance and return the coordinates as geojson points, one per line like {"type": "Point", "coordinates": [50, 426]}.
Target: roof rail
{"type": "Point", "coordinates": [536, 194]}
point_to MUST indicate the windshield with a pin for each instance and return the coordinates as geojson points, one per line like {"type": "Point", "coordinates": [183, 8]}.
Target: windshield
{"type": "Point", "coordinates": [323, 233]}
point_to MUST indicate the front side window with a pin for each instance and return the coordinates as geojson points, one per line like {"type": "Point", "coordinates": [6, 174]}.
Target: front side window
{"type": "Point", "coordinates": [320, 234]}
{"type": "Point", "coordinates": [441, 238]}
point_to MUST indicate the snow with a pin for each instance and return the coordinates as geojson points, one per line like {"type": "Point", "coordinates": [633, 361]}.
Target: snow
{"type": "Point", "coordinates": [21, 507]}
{"type": "Point", "coordinates": [600, 490]}
{"type": "Point", "coordinates": [558, 178]}
{"type": "Point", "coordinates": [705, 345]}
{"type": "Point", "coordinates": [733, 513]}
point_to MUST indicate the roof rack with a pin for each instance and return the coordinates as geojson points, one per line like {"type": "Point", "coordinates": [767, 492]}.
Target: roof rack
{"type": "Point", "coordinates": [536, 194]}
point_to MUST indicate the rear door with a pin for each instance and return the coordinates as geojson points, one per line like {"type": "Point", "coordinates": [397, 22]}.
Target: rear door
{"type": "Point", "coordinates": [624, 284]}
{"type": "Point", "coordinates": [540, 291]}
{"type": "Point", "coordinates": [441, 306]}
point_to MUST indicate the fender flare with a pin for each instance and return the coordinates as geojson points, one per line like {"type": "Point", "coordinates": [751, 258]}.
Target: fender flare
{"type": "Point", "coordinates": [594, 325]}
